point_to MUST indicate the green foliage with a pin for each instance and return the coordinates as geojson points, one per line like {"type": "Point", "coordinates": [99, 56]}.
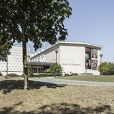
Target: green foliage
{"type": "Point", "coordinates": [13, 75]}
{"type": "Point", "coordinates": [106, 68]}
{"type": "Point", "coordinates": [47, 71]}
{"type": "Point", "coordinates": [1, 74]}
{"type": "Point", "coordinates": [54, 68]}
{"type": "Point", "coordinates": [4, 49]}
{"type": "Point", "coordinates": [111, 69]}
{"type": "Point", "coordinates": [29, 70]}
{"type": "Point", "coordinates": [47, 75]}
{"type": "Point", "coordinates": [34, 20]}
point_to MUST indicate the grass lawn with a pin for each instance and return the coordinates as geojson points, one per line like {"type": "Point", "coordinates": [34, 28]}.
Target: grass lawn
{"type": "Point", "coordinates": [45, 98]}
{"type": "Point", "coordinates": [90, 78]}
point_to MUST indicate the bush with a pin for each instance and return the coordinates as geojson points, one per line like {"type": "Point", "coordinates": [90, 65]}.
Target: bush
{"type": "Point", "coordinates": [106, 68]}
{"type": "Point", "coordinates": [54, 68]}
{"type": "Point", "coordinates": [1, 74]}
{"type": "Point", "coordinates": [12, 75]}
{"type": "Point", "coordinates": [111, 69]}
{"type": "Point", "coordinates": [46, 75]}
{"type": "Point", "coordinates": [47, 71]}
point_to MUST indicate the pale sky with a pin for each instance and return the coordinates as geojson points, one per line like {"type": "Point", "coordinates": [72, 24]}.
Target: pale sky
{"type": "Point", "coordinates": [92, 21]}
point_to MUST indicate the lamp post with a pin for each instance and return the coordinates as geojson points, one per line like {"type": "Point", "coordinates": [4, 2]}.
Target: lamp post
{"type": "Point", "coordinates": [56, 51]}
{"type": "Point", "coordinates": [101, 55]}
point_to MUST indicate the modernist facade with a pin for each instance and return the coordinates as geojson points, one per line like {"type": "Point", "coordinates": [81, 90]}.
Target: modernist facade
{"type": "Point", "coordinates": [74, 57]}
{"type": "Point", "coordinates": [15, 61]}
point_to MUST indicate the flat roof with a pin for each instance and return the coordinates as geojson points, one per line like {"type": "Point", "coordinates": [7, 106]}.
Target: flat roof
{"type": "Point", "coordinates": [71, 43]}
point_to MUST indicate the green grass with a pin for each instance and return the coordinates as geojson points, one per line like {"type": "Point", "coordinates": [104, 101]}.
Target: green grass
{"type": "Point", "coordinates": [90, 78]}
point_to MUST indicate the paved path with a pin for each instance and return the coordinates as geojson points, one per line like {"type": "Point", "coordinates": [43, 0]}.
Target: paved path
{"type": "Point", "coordinates": [53, 80]}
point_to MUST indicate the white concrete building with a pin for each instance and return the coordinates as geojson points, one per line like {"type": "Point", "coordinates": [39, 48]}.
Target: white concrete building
{"type": "Point", "coordinates": [15, 61]}
{"type": "Point", "coordinates": [74, 57]}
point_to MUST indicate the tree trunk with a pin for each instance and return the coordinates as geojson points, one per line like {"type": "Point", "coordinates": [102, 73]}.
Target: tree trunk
{"type": "Point", "coordinates": [7, 64]}
{"type": "Point", "coordinates": [24, 59]}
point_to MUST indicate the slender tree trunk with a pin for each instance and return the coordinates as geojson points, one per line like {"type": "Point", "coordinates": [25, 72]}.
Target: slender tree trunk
{"type": "Point", "coordinates": [7, 64]}
{"type": "Point", "coordinates": [24, 59]}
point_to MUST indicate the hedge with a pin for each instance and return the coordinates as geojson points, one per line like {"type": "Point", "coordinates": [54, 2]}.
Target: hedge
{"type": "Point", "coordinates": [46, 75]}
{"type": "Point", "coordinates": [1, 74]}
{"type": "Point", "coordinates": [12, 75]}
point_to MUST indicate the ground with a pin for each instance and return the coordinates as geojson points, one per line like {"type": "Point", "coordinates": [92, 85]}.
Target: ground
{"type": "Point", "coordinates": [43, 98]}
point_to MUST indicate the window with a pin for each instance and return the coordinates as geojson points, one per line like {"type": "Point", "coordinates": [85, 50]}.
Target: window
{"type": "Point", "coordinates": [40, 70]}
{"type": "Point", "coordinates": [34, 70]}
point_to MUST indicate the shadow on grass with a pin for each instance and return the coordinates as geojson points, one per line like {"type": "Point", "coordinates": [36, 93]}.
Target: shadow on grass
{"type": "Point", "coordinates": [62, 108]}
{"type": "Point", "coordinates": [8, 85]}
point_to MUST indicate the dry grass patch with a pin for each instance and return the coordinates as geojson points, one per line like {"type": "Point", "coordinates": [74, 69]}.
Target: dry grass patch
{"type": "Point", "coordinates": [45, 98]}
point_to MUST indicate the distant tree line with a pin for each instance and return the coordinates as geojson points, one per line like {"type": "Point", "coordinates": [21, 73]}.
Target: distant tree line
{"type": "Point", "coordinates": [106, 68]}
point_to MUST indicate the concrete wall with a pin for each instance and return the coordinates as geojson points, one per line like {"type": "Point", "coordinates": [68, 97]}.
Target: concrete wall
{"type": "Point", "coordinates": [50, 55]}
{"type": "Point", "coordinates": [38, 58]}
{"type": "Point", "coordinates": [46, 56]}
{"type": "Point", "coordinates": [72, 58]}
{"type": "Point", "coordinates": [15, 61]}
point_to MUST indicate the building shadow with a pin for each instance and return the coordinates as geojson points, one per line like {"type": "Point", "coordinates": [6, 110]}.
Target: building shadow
{"type": "Point", "coordinates": [8, 85]}
{"type": "Point", "coordinates": [63, 108]}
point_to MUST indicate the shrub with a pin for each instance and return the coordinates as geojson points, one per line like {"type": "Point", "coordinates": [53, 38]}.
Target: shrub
{"type": "Point", "coordinates": [47, 75]}
{"type": "Point", "coordinates": [1, 74]}
{"type": "Point", "coordinates": [54, 68]}
{"type": "Point", "coordinates": [47, 71]}
{"type": "Point", "coordinates": [106, 68]}
{"type": "Point", "coordinates": [21, 75]}
{"type": "Point", "coordinates": [12, 75]}
{"type": "Point", "coordinates": [111, 69]}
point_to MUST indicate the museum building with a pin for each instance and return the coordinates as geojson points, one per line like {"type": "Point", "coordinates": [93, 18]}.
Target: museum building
{"type": "Point", "coordinates": [74, 57]}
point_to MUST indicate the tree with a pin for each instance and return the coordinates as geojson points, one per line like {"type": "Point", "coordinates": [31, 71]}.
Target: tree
{"type": "Point", "coordinates": [111, 69]}
{"type": "Point", "coordinates": [4, 50]}
{"type": "Point", "coordinates": [33, 20]}
{"type": "Point", "coordinates": [103, 68]}
{"type": "Point", "coordinates": [106, 68]}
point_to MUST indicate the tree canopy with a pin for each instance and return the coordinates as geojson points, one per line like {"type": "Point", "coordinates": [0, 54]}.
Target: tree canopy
{"type": "Point", "coordinates": [106, 68]}
{"type": "Point", "coordinates": [4, 49]}
{"type": "Point", "coordinates": [36, 20]}
{"type": "Point", "coordinates": [33, 20]}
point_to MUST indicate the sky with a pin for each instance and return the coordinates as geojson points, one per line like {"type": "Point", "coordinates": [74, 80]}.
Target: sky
{"type": "Point", "coordinates": [92, 21]}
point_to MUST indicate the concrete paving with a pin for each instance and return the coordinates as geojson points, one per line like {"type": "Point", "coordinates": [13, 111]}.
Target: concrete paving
{"type": "Point", "coordinates": [53, 80]}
